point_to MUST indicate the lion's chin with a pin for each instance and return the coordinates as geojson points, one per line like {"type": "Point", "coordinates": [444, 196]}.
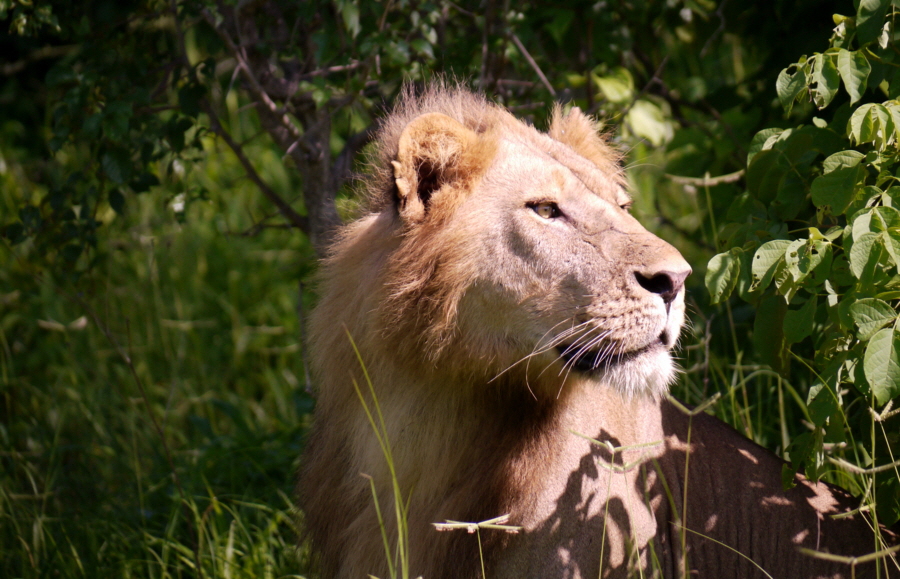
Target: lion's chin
{"type": "Point", "coordinates": [646, 371]}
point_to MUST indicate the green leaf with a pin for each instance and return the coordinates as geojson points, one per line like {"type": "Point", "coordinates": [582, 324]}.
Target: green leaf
{"type": "Point", "coordinates": [821, 404]}
{"type": "Point", "coordinates": [785, 282]}
{"type": "Point", "coordinates": [765, 260]}
{"type": "Point", "coordinates": [827, 80]}
{"type": "Point", "coordinates": [870, 315]}
{"type": "Point", "coordinates": [884, 218]}
{"type": "Point", "coordinates": [349, 10]}
{"type": "Point", "coordinates": [842, 159]}
{"type": "Point", "coordinates": [891, 241]}
{"type": "Point", "coordinates": [560, 24]}
{"type": "Point", "coordinates": [647, 120]}
{"type": "Point", "coordinates": [790, 197]}
{"type": "Point", "coordinates": [882, 364]}
{"type": "Point", "coordinates": [798, 324]}
{"type": "Point", "coordinates": [768, 332]}
{"type": "Point", "coordinates": [887, 498]}
{"type": "Point", "coordinates": [117, 201]}
{"type": "Point", "coordinates": [90, 129]}
{"type": "Point", "coordinates": [862, 254]}
{"type": "Point", "coordinates": [423, 47]}
{"type": "Point", "coordinates": [765, 174]}
{"type": "Point", "coordinates": [617, 87]}
{"type": "Point", "coordinates": [872, 123]}
{"type": "Point", "coordinates": [854, 68]}
{"type": "Point", "coordinates": [809, 258]}
{"type": "Point", "coordinates": [722, 274]}
{"type": "Point", "coordinates": [870, 20]}
{"type": "Point", "coordinates": [745, 208]}
{"type": "Point", "coordinates": [71, 252]}
{"type": "Point", "coordinates": [894, 109]}
{"type": "Point", "coordinates": [789, 86]}
{"type": "Point", "coordinates": [759, 141]}
{"type": "Point", "coordinates": [835, 190]}
{"type": "Point", "coordinates": [116, 164]}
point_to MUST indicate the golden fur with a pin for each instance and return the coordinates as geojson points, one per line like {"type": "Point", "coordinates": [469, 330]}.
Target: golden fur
{"type": "Point", "coordinates": [503, 302]}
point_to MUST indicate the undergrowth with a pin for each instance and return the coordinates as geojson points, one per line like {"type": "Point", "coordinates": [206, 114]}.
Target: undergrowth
{"type": "Point", "coordinates": [152, 411]}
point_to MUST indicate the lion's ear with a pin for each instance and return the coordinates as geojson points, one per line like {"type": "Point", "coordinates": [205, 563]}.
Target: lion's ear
{"type": "Point", "coordinates": [433, 152]}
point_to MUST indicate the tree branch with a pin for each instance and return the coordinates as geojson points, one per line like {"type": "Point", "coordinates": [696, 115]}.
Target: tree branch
{"type": "Point", "coordinates": [297, 220]}
{"type": "Point", "coordinates": [533, 64]}
{"type": "Point", "coordinates": [255, 87]}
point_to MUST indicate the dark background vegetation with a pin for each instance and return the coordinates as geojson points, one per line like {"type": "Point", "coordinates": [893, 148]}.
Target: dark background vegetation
{"type": "Point", "coordinates": [170, 171]}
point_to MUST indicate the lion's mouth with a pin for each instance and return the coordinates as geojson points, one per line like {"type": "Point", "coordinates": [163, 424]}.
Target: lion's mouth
{"type": "Point", "coordinates": [589, 361]}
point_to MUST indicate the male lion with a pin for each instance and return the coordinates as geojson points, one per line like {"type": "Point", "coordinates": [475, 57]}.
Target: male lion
{"type": "Point", "coordinates": [506, 306]}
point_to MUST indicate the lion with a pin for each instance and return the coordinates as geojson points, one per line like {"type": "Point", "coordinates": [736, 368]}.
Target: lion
{"type": "Point", "coordinates": [517, 323]}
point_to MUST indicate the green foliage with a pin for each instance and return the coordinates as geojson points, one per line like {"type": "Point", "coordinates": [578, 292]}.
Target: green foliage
{"type": "Point", "coordinates": [26, 18]}
{"type": "Point", "coordinates": [816, 246]}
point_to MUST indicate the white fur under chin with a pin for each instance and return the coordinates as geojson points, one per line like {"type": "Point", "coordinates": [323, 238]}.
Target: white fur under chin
{"type": "Point", "coordinates": [649, 374]}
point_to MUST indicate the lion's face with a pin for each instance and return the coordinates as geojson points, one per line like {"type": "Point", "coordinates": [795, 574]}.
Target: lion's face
{"type": "Point", "coordinates": [558, 275]}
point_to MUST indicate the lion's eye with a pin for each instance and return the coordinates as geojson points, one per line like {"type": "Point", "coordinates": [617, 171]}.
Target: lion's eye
{"type": "Point", "coordinates": [546, 209]}
{"type": "Point", "coordinates": [626, 206]}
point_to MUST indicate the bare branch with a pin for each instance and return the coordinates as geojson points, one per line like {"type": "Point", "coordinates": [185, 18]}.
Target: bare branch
{"type": "Point", "coordinates": [533, 64]}
{"type": "Point", "coordinates": [39, 54]}
{"type": "Point", "coordinates": [286, 210]}
{"type": "Point", "coordinates": [255, 87]}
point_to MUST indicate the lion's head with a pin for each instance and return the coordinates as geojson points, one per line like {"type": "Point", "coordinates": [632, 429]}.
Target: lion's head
{"type": "Point", "coordinates": [514, 246]}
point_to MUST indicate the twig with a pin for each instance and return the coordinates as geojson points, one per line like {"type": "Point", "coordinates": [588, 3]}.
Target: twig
{"type": "Point", "coordinates": [330, 70]}
{"type": "Point", "coordinates": [857, 470]}
{"type": "Point", "coordinates": [39, 54]}
{"type": "Point", "coordinates": [299, 221]}
{"type": "Point", "coordinates": [706, 180]}
{"type": "Point", "coordinates": [720, 12]}
{"type": "Point", "coordinates": [533, 64]}
{"type": "Point", "coordinates": [255, 87]}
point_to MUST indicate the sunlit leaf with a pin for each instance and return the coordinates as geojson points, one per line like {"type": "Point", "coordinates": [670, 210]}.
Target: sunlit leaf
{"type": "Point", "coordinates": [861, 255]}
{"type": "Point", "coordinates": [826, 77]}
{"type": "Point", "coordinates": [854, 69]}
{"type": "Point", "coordinates": [617, 86]}
{"type": "Point", "coordinates": [765, 260]}
{"type": "Point", "coordinates": [842, 159]}
{"type": "Point", "coordinates": [872, 123]}
{"type": "Point", "coordinates": [647, 120]}
{"type": "Point", "coordinates": [789, 86]}
{"type": "Point", "coordinates": [870, 315]}
{"type": "Point", "coordinates": [882, 364]}
{"type": "Point", "coordinates": [722, 274]}
{"type": "Point", "coordinates": [759, 141]}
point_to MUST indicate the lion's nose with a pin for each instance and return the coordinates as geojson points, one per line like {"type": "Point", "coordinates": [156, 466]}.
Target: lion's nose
{"type": "Point", "coordinates": [665, 283]}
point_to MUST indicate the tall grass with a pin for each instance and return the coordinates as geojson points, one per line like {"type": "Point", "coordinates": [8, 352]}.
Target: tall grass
{"type": "Point", "coordinates": [152, 413]}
